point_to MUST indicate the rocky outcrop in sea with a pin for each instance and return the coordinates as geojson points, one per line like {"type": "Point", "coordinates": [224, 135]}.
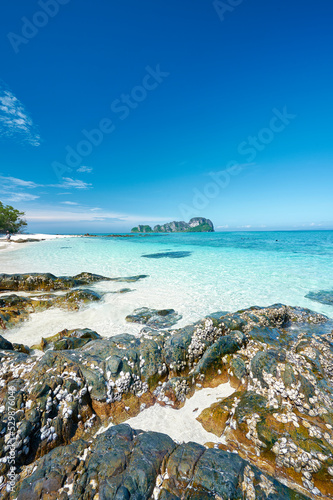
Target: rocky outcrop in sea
{"type": "Point", "coordinates": [195, 225]}
{"type": "Point", "coordinates": [64, 407]}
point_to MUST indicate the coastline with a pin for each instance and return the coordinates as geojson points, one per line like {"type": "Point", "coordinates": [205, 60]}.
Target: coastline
{"type": "Point", "coordinates": [220, 387]}
{"type": "Point", "coordinates": [9, 246]}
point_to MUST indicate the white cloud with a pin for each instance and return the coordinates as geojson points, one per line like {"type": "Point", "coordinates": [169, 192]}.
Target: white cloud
{"type": "Point", "coordinates": [69, 183]}
{"type": "Point", "coordinates": [14, 119]}
{"type": "Point", "coordinates": [13, 189]}
{"type": "Point", "coordinates": [68, 215]}
{"type": "Point", "coordinates": [312, 224]}
{"type": "Point", "coordinates": [69, 203]}
{"type": "Point", "coordinates": [18, 196]}
{"type": "Point", "coordinates": [84, 169]}
{"type": "Point", "coordinates": [80, 214]}
{"type": "Point", "coordinates": [13, 182]}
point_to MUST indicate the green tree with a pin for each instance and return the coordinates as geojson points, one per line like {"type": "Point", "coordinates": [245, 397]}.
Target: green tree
{"type": "Point", "coordinates": [10, 219]}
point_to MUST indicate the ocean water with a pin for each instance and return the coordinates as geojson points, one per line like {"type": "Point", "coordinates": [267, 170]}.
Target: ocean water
{"type": "Point", "coordinates": [195, 274]}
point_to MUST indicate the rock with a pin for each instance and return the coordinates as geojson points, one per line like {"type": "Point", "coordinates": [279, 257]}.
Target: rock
{"type": "Point", "coordinates": [123, 463]}
{"type": "Point", "coordinates": [21, 348]}
{"type": "Point", "coordinates": [15, 309]}
{"type": "Point", "coordinates": [75, 338]}
{"type": "Point", "coordinates": [142, 229]}
{"type": "Point", "coordinates": [324, 297]}
{"type": "Point", "coordinates": [282, 413]}
{"type": "Point", "coordinates": [238, 367]}
{"type": "Point", "coordinates": [49, 282]}
{"type": "Point", "coordinates": [164, 318]}
{"type": "Point", "coordinates": [279, 421]}
{"type": "Point", "coordinates": [35, 281]}
{"type": "Point", "coordinates": [27, 240]}
{"type": "Point", "coordinates": [130, 279]}
{"type": "Point", "coordinates": [213, 356]}
{"type": "Point", "coordinates": [76, 299]}
{"type": "Point", "coordinates": [5, 345]}
{"type": "Point", "coordinates": [167, 255]}
{"type": "Point", "coordinates": [196, 224]}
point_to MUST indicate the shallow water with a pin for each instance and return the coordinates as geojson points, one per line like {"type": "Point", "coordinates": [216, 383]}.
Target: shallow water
{"type": "Point", "coordinates": [211, 271]}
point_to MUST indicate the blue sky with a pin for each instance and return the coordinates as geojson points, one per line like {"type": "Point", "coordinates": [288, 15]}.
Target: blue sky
{"type": "Point", "coordinates": [119, 113]}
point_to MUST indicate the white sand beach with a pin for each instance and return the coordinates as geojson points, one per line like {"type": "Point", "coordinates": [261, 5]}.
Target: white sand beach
{"type": "Point", "coordinates": [6, 245]}
{"type": "Point", "coordinates": [181, 425]}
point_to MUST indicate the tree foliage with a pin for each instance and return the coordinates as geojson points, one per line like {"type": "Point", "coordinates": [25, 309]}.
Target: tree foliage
{"type": "Point", "coordinates": [10, 219]}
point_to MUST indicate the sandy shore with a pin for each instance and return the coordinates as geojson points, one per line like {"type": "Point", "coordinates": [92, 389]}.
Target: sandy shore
{"type": "Point", "coordinates": [12, 245]}
{"type": "Point", "coordinates": [182, 424]}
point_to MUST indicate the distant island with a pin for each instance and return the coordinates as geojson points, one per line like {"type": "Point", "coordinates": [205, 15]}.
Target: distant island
{"type": "Point", "coordinates": [195, 225]}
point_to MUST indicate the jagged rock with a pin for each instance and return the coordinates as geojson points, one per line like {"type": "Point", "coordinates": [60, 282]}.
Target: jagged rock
{"type": "Point", "coordinates": [196, 224]}
{"type": "Point", "coordinates": [68, 339]}
{"type": "Point", "coordinates": [49, 282]}
{"type": "Point", "coordinates": [280, 419]}
{"type": "Point", "coordinates": [282, 414]}
{"type": "Point", "coordinates": [164, 318]}
{"type": "Point", "coordinates": [15, 309]}
{"type": "Point", "coordinates": [123, 463]}
{"type": "Point", "coordinates": [5, 345]}
{"type": "Point", "coordinates": [21, 348]}
{"type": "Point", "coordinates": [76, 299]}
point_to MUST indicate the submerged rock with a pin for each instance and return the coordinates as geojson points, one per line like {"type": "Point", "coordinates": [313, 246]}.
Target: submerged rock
{"type": "Point", "coordinates": [168, 255]}
{"type": "Point", "coordinates": [158, 319]}
{"type": "Point", "coordinates": [324, 297]}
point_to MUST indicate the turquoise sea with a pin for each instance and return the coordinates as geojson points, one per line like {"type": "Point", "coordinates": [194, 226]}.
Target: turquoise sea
{"type": "Point", "coordinates": [195, 274]}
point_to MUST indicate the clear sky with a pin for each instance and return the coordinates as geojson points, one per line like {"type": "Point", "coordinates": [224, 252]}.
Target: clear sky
{"type": "Point", "coordinates": [114, 113]}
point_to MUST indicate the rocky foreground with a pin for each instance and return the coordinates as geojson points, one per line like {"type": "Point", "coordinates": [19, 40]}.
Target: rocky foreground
{"type": "Point", "coordinates": [63, 433]}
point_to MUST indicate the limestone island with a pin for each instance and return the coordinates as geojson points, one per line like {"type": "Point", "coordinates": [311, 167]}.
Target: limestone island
{"type": "Point", "coordinates": [195, 225]}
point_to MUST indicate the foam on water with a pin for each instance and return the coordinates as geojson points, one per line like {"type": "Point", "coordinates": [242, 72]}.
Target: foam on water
{"type": "Point", "coordinates": [212, 271]}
